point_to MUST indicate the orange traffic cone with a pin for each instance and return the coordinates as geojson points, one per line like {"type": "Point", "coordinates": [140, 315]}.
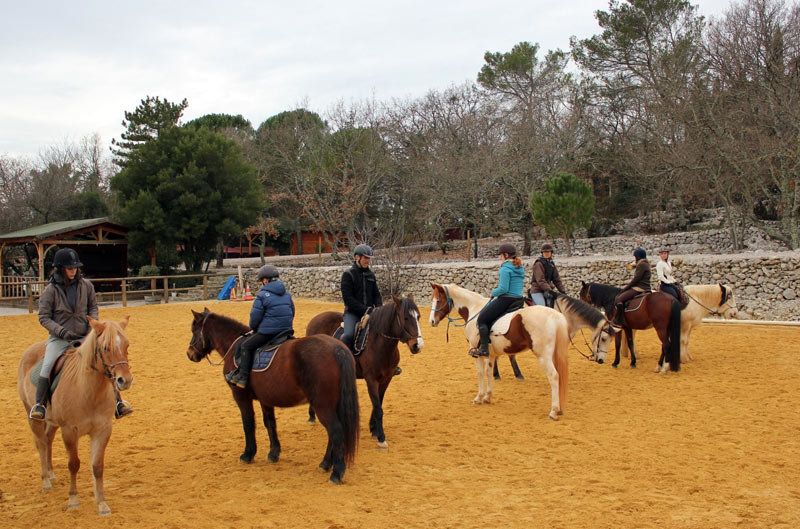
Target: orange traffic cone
{"type": "Point", "coordinates": [233, 294]}
{"type": "Point", "coordinates": [248, 296]}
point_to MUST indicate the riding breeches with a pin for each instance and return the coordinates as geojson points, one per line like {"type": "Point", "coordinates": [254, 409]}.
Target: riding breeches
{"type": "Point", "coordinates": [538, 299]}
{"type": "Point", "coordinates": [669, 289]}
{"type": "Point", "coordinates": [54, 348]}
{"type": "Point", "coordinates": [494, 309]}
{"type": "Point", "coordinates": [350, 321]}
{"type": "Point", "coordinates": [625, 295]}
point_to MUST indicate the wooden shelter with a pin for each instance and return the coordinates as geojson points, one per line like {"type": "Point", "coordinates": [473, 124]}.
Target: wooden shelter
{"type": "Point", "coordinates": [100, 243]}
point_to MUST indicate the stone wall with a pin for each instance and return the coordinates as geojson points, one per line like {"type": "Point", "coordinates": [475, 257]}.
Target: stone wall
{"type": "Point", "coordinates": [766, 285]}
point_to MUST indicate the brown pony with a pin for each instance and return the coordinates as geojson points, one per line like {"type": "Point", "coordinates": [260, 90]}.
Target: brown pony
{"type": "Point", "coordinates": [389, 324]}
{"type": "Point", "coordinates": [316, 369]}
{"type": "Point", "coordinates": [83, 402]}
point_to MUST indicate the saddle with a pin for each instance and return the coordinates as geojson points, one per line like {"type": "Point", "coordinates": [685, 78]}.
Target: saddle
{"type": "Point", "coordinates": [639, 298]}
{"type": "Point", "coordinates": [55, 372]}
{"type": "Point", "coordinates": [360, 333]}
{"type": "Point", "coordinates": [263, 356]}
{"type": "Point", "coordinates": [683, 297]}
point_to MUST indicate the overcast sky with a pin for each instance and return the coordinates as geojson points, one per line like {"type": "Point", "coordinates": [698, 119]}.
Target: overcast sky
{"type": "Point", "coordinates": [70, 69]}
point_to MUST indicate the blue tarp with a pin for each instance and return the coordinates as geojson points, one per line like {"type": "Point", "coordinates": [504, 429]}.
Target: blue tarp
{"type": "Point", "coordinates": [225, 293]}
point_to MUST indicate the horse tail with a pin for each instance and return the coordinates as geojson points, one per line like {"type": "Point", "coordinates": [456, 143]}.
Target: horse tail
{"type": "Point", "coordinates": [674, 336]}
{"type": "Point", "coordinates": [347, 407]}
{"type": "Point", "coordinates": [560, 360]}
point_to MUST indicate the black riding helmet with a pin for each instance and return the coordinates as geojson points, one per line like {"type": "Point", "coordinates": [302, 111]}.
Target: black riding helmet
{"type": "Point", "coordinates": [67, 258]}
{"type": "Point", "coordinates": [267, 272]}
{"type": "Point", "coordinates": [507, 248]}
{"type": "Point", "coordinates": [363, 249]}
{"type": "Point", "coordinates": [639, 253]}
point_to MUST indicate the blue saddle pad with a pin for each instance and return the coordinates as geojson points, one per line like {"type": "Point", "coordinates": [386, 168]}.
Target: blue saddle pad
{"type": "Point", "coordinates": [263, 357]}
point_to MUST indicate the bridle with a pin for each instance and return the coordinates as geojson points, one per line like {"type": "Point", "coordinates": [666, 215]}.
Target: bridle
{"type": "Point", "coordinates": [107, 368]}
{"type": "Point", "coordinates": [403, 330]}
{"type": "Point", "coordinates": [203, 352]}
{"type": "Point", "coordinates": [446, 310]}
{"type": "Point", "coordinates": [606, 328]}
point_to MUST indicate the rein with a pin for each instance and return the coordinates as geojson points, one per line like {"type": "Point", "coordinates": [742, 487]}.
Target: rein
{"type": "Point", "coordinates": [585, 341]}
{"type": "Point", "coordinates": [402, 329]}
{"type": "Point", "coordinates": [106, 367]}
{"type": "Point", "coordinates": [450, 306]}
{"type": "Point", "coordinates": [193, 345]}
{"type": "Point", "coordinates": [715, 312]}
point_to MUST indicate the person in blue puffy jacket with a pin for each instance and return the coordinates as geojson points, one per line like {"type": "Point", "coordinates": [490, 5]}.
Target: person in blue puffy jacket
{"type": "Point", "coordinates": [272, 314]}
{"type": "Point", "coordinates": [509, 290]}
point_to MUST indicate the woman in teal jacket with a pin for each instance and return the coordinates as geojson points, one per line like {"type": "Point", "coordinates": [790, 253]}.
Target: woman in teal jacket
{"type": "Point", "coordinates": [509, 290]}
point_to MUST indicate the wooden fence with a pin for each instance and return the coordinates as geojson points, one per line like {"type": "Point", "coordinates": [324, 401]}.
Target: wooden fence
{"type": "Point", "coordinates": [30, 288]}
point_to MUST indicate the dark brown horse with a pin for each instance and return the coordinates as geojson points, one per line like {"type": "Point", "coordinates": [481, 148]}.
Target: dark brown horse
{"type": "Point", "coordinates": [392, 323]}
{"type": "Point", "coordinates": [315, 369]}
{"type": "Point", "coordinates": [656, 309]}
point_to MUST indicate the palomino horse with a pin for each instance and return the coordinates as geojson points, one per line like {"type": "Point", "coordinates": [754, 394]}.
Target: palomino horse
{"type": "Point", "coordinates": [388, 325]}
{"type": "Point", "coordinates": [654, 309]}
{"type": "Point", "coordinates": [540, 329]}
{"type": "Point", "coordinates": [83, 402]}
{"type": "Point", "coordinates": [316, 369]}
{"type": "Point", "coordinates": [716, 299]}
{"type": "Point", "coordinates": [579, 316]}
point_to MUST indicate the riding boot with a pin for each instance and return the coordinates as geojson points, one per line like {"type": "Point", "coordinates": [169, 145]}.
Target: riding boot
{"type": "Point", "coordinates": [239, 377]}
{"type": "Point", "coordinates": [38, 410]}
{"type": "Point", "coordinates": [483, 347]}
{"type": "Point", "coordinates": [618, 315]}
{"type": "Point", "coordinates": [123, 407]}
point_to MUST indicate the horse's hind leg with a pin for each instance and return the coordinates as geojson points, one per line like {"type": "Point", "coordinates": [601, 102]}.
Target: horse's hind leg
{"type": "Point", "coordinates": [248, 425]}
{"type": "Point", "coordinates": [71, 444]}
{"type": "Point", "coordinates": [43, 440]}
{"type": "Point", "coordinates": [99, 443]}
{"type": "Point", "coordinates": [629, 341]}
{"type": "Point", "coordinates": [515, 367]}
{"type": "Point", "coordinates": [546, 362]}
{"type": "Point", "coordinates": [272, 432]}
{"type": "Point", "coordinates": [312, 417]}
{"type": "Point", "coordinates": [334, 452]}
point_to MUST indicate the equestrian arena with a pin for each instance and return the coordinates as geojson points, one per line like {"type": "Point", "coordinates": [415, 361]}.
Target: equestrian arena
{"type": "Point", "coordinates": [715, 445]}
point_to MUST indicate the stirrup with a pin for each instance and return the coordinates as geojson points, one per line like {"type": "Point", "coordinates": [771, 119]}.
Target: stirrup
{"type": "Point", "coordinates": [37, 412]}
{"type": "Point", "coordinates": [397, 371]}
{"type": "Point", "coordinates": [234, 379]}
{"type": "Point", "coordinates": [123, 409]}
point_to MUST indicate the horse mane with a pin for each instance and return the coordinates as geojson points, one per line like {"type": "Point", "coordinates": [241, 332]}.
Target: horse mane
{"type": "Point", "coordinates": [381, 317]}
{"type": "Point", "coordinates": [603, 293]}
{"type": "Point", "coordinates": [86, 349]}
{"type": "Point", "coordinates": [228, 324]}
{"type": "Point", "coordinates": [583, 310]}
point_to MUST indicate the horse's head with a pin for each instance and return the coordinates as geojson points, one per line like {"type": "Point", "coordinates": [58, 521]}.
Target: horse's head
{"type": "Point", "coordinates": [601, 339]}
{"type": "Point", "coordinates": [727, 303]}
{"type": "Point", "coordinates": [111, 351]}
{"type": "Point", "coordinates": [408, 321]}
{"type": "Point", "coordinates": [585, 294]}
{"type": "Point", "coordinates": [199, 346]}
{"type": "Point", "coordinates": [441, 304]}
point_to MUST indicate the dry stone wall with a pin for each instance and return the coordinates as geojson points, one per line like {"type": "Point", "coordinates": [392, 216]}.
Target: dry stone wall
{"type": "Point", "coordinates": [766, 285]}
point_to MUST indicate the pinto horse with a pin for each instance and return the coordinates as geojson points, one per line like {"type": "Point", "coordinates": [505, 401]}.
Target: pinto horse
{"type": "Point", "coordinates": [581, 315]}
{"type": "Point", "coordinates": [315, 369]}
{"type": "Point", "coordinates": [388, 325]}
{"type": "Point", "coordinates": [83, 402]}
{"type": "Point", "coordinates": [540, 329]}
{"type": "Point", "coordinates": [654, 309]}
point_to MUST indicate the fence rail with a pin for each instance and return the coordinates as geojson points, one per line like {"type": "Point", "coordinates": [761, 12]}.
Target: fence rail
{"type": "Point", "coordinates": [15, 288]}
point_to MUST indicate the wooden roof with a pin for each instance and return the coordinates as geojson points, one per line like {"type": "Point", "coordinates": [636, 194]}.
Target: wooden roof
{"type": "Point", "coordinates": [87, 231]}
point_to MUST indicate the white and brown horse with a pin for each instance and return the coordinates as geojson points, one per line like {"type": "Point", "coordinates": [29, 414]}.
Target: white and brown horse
{"type": "Point", "coordinates": [716, 299]}
{"type": "Point", "coordinates": [540, 329]}
{"type": "Point", "coordinates": [581, 315]}
{"type": "Point", "coordinates": [83, 402]}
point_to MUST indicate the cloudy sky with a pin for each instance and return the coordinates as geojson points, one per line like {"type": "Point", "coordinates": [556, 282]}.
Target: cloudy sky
{"type": "Point", "coordinates": [71, 69]}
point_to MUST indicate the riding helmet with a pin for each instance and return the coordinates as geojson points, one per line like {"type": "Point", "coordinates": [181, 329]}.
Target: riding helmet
{"type": "Point", "coordinates": [664, 249]}
{"type": "Point", "coordinates": [547, 247]}
{"type": "Point", "coordinates": [267, 272]}
{"type": "Point", "coordinates": [639, 253]}
{"type": "Point", "coordinates": [363, 249]}
{"type": "Point", "coordinates": [67, 258]}
{"type": "Point", "coordinates": [508, 248]}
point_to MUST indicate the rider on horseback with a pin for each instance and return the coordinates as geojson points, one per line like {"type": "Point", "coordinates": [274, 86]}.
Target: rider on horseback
{"type": "Point", "coordinates": [640, 283]}
{"type": "Point", "coordinates": [272, 314]}
{"type": "Point", "coordinates": [63, 309]}
{"type": "Point", "coordinates": [508, 291]}
{"type": "Point", "coordinates": [664, 272]}
{"type": "Point", "coordinates": [545, 278]}
{"type": "Point", "coordinates": [359, 292]}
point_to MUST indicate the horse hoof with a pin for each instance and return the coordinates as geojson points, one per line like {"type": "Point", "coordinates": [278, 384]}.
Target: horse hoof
{"type": "Point", "coordinates": [73, 504]}
{"type": "Point", "coordinates": [336, 480]}
{"type": "Point", "coordinates": [614, 366]}
{"type": "Point", "coordinates": [325, 465]}
{"type": "Point", "coordinates": [272, 459]}
{"type": "Point", "coordinates": [383, 445]}
{"type": "Point", "coordinates": [312, 421]}
{"type": "Point", "coordinates": [103, 509]}
{"type": "Point", "coordinates": [633, 366]}
{"type": "Point", "coordinates": [245, 459]}
{"type": "Point", "coordinates": [554, 416]}
{"type": "Point", "coordinates": [47, 486]}
{"type": "Point", "coordinates": [520, 377]}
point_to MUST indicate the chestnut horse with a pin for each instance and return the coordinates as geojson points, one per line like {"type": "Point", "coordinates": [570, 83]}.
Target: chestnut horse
{"type": "Point", "coordinates": [388, 325]}
{"type": "Point", "coordinates": [654, 309]}
{"type": "Point", "coordinates": [83, 403]}
{"type": "Point", "coordinates": [540, 329]}
{"type": "Point", "coordinates": [315, 369]}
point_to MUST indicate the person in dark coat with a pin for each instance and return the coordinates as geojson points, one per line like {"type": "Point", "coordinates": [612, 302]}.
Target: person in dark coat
{"type": "Point", "coordinates": [545, 278]}
{"type": "Point", "coordinates": [640, 283]}
{"type": "Point", "coordinates": [64, 307]}
{"type": "Point", "coordinates": [359, 291]}
{"type": "Point", "coordinates": [272, 314]}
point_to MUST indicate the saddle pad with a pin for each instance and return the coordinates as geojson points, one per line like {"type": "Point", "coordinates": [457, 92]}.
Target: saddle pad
{"type": "Point", "coordinates": [359, 340]}
{"type": "Point", "coordinates": [629, 306]}
{"type": "Point", "coordinates": [262, 357]}
{"type": "Point", "coordinates": [38, 369]}
{"type": "Point", "coordinates": [503, 323]}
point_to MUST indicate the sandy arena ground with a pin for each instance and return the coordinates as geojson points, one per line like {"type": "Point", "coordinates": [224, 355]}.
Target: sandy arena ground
{"type": "Point", "coordinates": [717, 445]}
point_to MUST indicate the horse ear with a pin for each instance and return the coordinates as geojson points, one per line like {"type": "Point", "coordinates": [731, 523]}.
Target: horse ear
{"type": "Point", "coordinates": [205, 310]}
{"type": "Point", "coordinates": [124, 321]}
{"type": "Point", "coordinates": [583, 283]}
{"type": "Point", "coordinates": [435, 286]}
{"type": "Point", "coordinates": [196, 314]}
{"type": "Point", "coordinates": [96, 325]}
{"type": "Point", "coordinates": [410, 297]}
{"type": "Point", "coordinates": [397, 301]}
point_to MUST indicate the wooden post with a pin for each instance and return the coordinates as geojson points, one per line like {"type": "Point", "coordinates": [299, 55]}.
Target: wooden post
{"type": "Point", "coordinates": [240, 292]}
{"type": "Point", "coordinates": [469, 244]}
{"type": "Point", "coordinates": [29, 289]}
{"type": "Point", "coordinates": [166, 290]}
{"type": "Point", "coordinates": [124, 292]}
{"type": "Point", "coordinates": [205, 287]}
{"type": "Point", "coordinates": [319, 248]}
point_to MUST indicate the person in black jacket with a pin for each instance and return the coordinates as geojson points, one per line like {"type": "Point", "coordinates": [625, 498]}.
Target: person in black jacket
{"type": "Point", "coordinates": [359, 292]}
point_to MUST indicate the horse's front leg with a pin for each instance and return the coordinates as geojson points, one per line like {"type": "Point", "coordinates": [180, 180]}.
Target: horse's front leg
{"type": "Point", "coordinates": [376, 419]}
{"type": "Point", "coordinates": [98, 451]}
{"type": "Point", "coordinates": [272, 431]}
{"type": "Point", "coordinates": [43, 439]}
{"type": "Point", "coordinates": [312, 417]}
{"type": "Point", "coordinates": [71, 444]}
{"type": "Point", "coordinates": [546, 363]}
{"type": "Point", "coordinates": [479, 368]}
{"type": "Point", "coordinates": [245, 404]}
{"type": "Point", "coordinates": [490, 363]}
{"type": "Point", "coordinates": [617, 344]}
{"type": "Point", "coordinates": [685, 332]}
{"type": "Point", "coordinates": [629, 340]}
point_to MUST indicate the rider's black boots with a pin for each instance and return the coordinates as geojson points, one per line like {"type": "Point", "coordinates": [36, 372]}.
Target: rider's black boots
{"type": "Point", "coordinates": [239, 376]}
{"type": "Point", "coordinates": [483, 347]}
{"type": "Point", "coordinates": [38, 409]}
{"type": "Point", "coordinates": [620, 311]}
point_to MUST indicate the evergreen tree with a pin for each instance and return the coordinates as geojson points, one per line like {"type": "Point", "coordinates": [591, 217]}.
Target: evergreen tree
{"type": "Point", "coordinates": [566, 205]}
{"type": "Point", "coordinates": [150, 119]}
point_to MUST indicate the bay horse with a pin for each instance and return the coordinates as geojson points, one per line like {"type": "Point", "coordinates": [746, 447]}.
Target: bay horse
{"type": "Point", "coordinates": [315, 369]}
{"type": "Point", "coordinates": [540, 329]}
{"type": "Point", "coordinates": [654, 309]}
{"type": "Point", "coordinates": [83, 402]}
{"type": "Point", "coordinates": [716, 299]}
{"type": "Point", "coordinates": [389, 325]}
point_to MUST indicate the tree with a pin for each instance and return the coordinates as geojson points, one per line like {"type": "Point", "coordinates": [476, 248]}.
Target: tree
{"type": "Point", "coordinates": [187, 188]}
{"type": "Point", "coordinates": [566, 205]}
{"type": "Point", "coordinates": [151, 118]}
